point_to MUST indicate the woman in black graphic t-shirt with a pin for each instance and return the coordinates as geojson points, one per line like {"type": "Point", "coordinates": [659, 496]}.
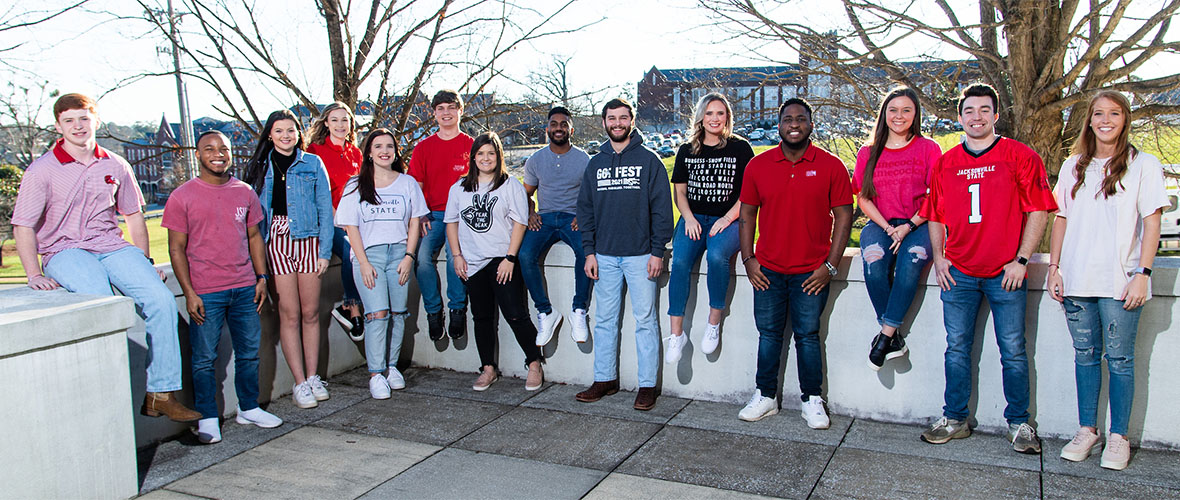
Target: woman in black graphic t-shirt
{"type": "Point", "coordinates": [707, 179]}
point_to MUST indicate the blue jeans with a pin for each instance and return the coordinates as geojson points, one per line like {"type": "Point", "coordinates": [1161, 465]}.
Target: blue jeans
{"type": "Point", "coordinates": [340, 248]}
{"type": "Point", "coordinates": [893, 279]}
{"type": "Point", "coordinates": [427, 273]}
{"type": "Point", "coordinates": [612, 272]}
{"type": "Point", "coordinates": [770, 316]}
{"type": "Point", "coordinates": [685, 254]}
{"type": "Point", "coordinates": [1097, 324]}
{"type": "Point", "coordinates": [960, 307]}
{"type": "Point", "coordinates": [80, 271]}
{"type": "Point", "coordinates": [383, 345]}
{"type": "Point", "coordinates": [555, 226]}
{"type": "Point", "coordinates": [237, 308]}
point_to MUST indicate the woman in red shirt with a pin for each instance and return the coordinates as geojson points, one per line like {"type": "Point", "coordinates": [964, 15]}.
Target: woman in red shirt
{"type": "Point", "coordinates": [333, 139]}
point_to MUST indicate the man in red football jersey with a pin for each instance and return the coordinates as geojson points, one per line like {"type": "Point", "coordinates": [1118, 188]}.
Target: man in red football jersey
{"type": "Point", "coordinates": [988, 205]}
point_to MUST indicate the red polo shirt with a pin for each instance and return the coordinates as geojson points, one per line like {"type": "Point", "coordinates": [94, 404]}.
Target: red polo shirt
{"type": "Point", "coordinates": [71, 205]}
{"type": "Point", "coordinates": [342, 162]}
{"type": "Point", "coordinates": [795, 201]}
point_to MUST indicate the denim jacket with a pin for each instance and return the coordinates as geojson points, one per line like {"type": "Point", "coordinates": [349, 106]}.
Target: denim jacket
{"type": "Point", "coordinates": [309, 201]}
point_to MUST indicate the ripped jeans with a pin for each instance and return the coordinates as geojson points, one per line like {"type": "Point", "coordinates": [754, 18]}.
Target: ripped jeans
{"type": "Point", "coordinates": [892, 279]}
{"type": "Point", "coordinates": [1098, 324]}
{"type": "Point", "coordinates": [385, 301]}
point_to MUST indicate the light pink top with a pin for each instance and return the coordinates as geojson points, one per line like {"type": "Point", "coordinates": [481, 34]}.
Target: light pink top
{"type": "Point", "coordinates": [901, 178]}
{"type": "Point", "coordinates": [71, 205]}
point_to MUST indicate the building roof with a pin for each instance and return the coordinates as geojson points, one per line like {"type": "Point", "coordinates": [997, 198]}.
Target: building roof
{"type": "Point", "coordinates": [729, 74]}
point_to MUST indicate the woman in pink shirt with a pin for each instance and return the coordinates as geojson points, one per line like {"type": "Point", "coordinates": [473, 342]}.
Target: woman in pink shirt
{"type": "Point", "coordinates": [891, 180]}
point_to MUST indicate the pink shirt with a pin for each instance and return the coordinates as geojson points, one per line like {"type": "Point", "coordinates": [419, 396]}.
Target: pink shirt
{"type": "Point", "coordinates": [216, 219]}
{"type": "Point", "coordinates": [901, 178]}
{"type": "Point", "coordinates": [71, 205]}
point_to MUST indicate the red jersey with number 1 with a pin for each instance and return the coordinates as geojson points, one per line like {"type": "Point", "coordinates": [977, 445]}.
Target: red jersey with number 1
{"type": "Point", "coordinates": [982, 199]}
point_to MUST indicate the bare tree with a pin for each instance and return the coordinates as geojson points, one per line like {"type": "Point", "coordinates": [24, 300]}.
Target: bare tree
{"type": "Point", "coordinates": [1045, 58]}
{"type": "Point", "coordinates": [224, 44]}
{"type": "Point", "coordinates": [18, 16]}
{"type": "Point", "coordinates": [21, 139]}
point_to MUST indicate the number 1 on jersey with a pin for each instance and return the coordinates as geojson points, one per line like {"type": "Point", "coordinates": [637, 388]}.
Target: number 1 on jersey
{"type": "Point", "coordinates": [976, 217]}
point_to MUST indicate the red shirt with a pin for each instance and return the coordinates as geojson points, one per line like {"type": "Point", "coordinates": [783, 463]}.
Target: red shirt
{"type": "Point", "coordinates": [796, 201]}
{"type": "Point", "coordinates": [438, 165]}
{"type": "Point", "coordinates": [342, 163]}
{"type": "Point", "coordinates": [216, 219]}
{"type": "Point", "coordinates": [982, 201]}
{"type": "Point", "coordinates": [71, 205]}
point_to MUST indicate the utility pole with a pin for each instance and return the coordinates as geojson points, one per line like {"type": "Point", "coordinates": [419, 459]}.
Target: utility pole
{"type": "Point", "coordinates": [186, 123]}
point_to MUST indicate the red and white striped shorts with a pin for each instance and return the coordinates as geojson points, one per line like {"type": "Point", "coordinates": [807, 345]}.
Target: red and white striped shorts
{"type": "Point", "coordinates": [288, 255]}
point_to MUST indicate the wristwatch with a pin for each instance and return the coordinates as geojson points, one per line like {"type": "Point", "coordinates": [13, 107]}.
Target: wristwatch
{"type": "Point", "coordinates": [831, 268]}
{"type": "Point", "coordinates": [1021, 260]}
{"type": "Point", "coordinates": [1146, 271]}
{"type": "Point", "coordinates": [510, 258]}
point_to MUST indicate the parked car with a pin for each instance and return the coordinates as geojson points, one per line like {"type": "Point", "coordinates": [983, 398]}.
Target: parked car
{"type": "Point", "coordinates": [757, 134]}
{"type": "Point", "coordinates": [592, 147]}
{"type": "Point", "coordinates": [666, 151]}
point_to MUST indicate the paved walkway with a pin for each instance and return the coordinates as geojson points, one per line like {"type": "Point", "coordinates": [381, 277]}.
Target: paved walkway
{"type": "Point", "coordinates": [439, 439]}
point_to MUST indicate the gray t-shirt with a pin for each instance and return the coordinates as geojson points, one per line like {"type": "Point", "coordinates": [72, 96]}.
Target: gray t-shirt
{"type": "Point", "coordinates": [557, 177]}
{"type": "Point", "coordinates": [387, 222]}
{"type": "Point", "coordinates": [485, 220]}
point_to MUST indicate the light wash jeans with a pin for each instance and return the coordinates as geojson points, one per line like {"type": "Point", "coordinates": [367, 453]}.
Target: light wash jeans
{"type": "Point", "coordinates": [80, 271]}
{"type": "Point", "coordinates": [427, 272]}
{"type": "Point", "coordinates": [1098, 324]}
{"type": "Point", "coordinates": [383, 345]}
{"type": "Point", "coordinates": [612, 273]}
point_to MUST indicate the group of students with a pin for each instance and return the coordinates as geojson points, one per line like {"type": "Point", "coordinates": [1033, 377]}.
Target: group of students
{"type": "Point", "coordinates": [977, 212]}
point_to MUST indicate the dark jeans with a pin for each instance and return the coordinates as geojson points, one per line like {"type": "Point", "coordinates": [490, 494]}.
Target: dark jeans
{"type": "Point", "coordinates": [483, 294]}
{"type": "Point", "coordinates": [235, 307]}
{"type": "Point", "coordinates": [555, 226]}
{"type": "Point", "coordinates": [892, 279]}
{"type": "Point", "coordinates": [770, 316]}
{"type": "Point", "coordinates": [340, 249]}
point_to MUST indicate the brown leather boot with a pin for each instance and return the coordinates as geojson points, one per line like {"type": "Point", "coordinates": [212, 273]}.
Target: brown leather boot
{"type": "Point", "coordinates": [597, 390]}
{"type": "Point", "coordinates": [646, 398]}
{"type": "Point", "coordinates": [162, 403]}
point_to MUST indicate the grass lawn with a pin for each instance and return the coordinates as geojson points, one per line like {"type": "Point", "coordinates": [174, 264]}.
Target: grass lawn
{"type": "Point", "coordinates": [157, 236]}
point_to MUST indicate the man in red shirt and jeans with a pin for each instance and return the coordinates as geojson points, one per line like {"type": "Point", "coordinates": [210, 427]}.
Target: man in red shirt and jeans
{"type": "Point", "coordinates": [804, 194]}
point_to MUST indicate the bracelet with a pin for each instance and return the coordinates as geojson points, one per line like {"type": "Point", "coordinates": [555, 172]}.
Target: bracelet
{"type": "Point", "coordinates": [151, 260]}
{"type": "Point", "coordinates": [913, 227]}
{"type": "Point", "coordinates": [263, 276]}
{"type": "Point", "coordinates": [1054, 265]}
{"type": "Point", "coordinates": [746, 259]}
{"type": "Point", "coordinates": [412, 256]}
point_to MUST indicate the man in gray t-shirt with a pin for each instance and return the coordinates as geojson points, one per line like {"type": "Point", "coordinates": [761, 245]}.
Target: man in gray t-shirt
{"type": "Point", "coordinates": [555, 174]}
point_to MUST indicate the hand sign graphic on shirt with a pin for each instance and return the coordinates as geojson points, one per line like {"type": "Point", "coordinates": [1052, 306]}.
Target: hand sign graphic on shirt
{"type": "Point", "coordinates": [479, 215]}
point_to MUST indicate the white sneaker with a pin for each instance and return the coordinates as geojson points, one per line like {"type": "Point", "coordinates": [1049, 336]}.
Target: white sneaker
{"type": "Point", "coordinates": [317, 388]}
{"type": "Point", "coordinates": [259, 417]}
{"type": "Point", "coordinates": [814, 412]}
{"type": "Point", "coordinates": [759, 407]}
{"type": "Point", "coordinates": [547, 323]}
{"type": "Point", "coordinates": [301, 394]}
{"type": "Point", "coordinates": [395, 379]}
{"type": "Point", "coordinates": [208, 431]}
{"type": "Point", "coordinates": [712, 338]}
{"type": "Point", "coordinates": [378, 387]}
{"type": "Point", "coordinates": [675, 347]}
{"type": "Point", "coordinates": [580, 331]}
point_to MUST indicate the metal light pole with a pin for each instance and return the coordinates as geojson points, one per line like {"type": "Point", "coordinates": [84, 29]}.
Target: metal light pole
{"type": "Point", "coordinates": [186, 123]}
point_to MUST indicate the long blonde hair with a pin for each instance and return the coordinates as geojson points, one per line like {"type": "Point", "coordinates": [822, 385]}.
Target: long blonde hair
{"type": "Point", "coordinates": [1087, 144]}
{"type": "Point", "coordinates": [318, 132]}
{"type": "Point", "coordinates": [697, 127]}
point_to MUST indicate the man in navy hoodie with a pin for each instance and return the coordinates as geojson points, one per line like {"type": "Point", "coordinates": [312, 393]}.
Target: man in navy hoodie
{"type": "Point", "coordinates": [625, 215]}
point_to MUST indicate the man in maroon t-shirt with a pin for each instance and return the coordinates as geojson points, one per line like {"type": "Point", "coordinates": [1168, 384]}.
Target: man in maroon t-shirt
{"type": "Point", "coordinates": [804, 194]}
{"type": "Point", "coordinates": [988, 204]}
{"type": "Point", "coordinates": [437, 163]}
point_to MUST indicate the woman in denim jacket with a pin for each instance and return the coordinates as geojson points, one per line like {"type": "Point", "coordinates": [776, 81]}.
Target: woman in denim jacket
{"type": "Point", "coordinates": [293, 188]}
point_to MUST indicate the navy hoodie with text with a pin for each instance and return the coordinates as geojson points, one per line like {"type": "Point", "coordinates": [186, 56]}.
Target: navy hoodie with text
{"type": "Point", "coordinates": [625, 202]}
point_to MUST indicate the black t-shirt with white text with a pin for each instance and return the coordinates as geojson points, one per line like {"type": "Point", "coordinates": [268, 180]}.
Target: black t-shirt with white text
{"type": "Point", "coordinates": [713, 176]}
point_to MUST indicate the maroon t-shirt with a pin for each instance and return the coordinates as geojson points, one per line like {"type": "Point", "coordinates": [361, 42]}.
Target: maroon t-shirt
{"type": "Point", "coordinates": [216, 219]}
{"type": "Point", "coordinates": [795, 203]}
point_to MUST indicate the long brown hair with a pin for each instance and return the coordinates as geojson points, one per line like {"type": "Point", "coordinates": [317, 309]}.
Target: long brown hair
{"type": "Point", "coordinates": [880, 135]}
{"type": "Point", "coordinates": [318, 132]}
{"type": "Point", "coordinates": [697, 127]}
{"type": "Point", "coordinates": [260, 161]}
{"type": "Point", "coordinates": [365, 183]}
{"type": "Point", "coordinates": [1087, 144]}
{"type": "Point", "coordinates": [471, 180]}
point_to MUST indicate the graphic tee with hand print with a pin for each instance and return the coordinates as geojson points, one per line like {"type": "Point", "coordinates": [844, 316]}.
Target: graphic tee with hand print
{"type": "Point", "coordinates": [486, 219]}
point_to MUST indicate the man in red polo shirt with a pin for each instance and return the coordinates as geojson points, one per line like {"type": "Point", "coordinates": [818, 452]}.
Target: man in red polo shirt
{"type": "Point", "coordinates": [437, 163]}
{"type": "Point", "coordinates": [66, 211]}
{"type": "Point", "coordinates": [805, 195]}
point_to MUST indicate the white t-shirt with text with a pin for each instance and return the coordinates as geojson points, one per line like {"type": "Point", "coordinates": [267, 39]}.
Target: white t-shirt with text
{"type": "Point", "coordinates": [388, 221]}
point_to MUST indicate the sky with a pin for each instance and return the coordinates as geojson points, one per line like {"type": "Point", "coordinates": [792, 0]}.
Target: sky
{"type": "Point", "coordinates": [91, 51]}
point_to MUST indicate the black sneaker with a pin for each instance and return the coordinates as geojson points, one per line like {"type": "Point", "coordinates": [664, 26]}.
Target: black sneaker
{"type": "Point", "coordinates": [357, 333]}
{"type": "Point", "coordinates": [458, 323]}
{"type": "Point", "coordinates": [897, 347]}
{"type": "Point", "coordinates": [435, 320]}
{"type": "Point", "coordinates": [880, 347]}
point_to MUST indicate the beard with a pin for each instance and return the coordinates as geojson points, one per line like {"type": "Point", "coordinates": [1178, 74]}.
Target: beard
{"type": "Point", "coordinates": [795, 146]}
{"type": "Point", "coordinates": [559, 142]}
{"type": "Point", "coordinates": [621, 138]}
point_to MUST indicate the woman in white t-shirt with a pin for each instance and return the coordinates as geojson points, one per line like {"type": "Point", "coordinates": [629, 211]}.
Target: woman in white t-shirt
{"type": "Point", "coordinates": [1107, 186]}
{"type": "Point", "coordinates": [379, 212]}
{"type": "Point", "coordinates": [487, 214]}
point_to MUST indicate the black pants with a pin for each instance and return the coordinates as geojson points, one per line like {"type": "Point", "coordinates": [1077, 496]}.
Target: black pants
{"type": "Point", "coordinates": [483, 294]}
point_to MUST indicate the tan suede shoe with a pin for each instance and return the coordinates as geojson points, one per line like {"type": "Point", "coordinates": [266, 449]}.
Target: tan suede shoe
{"type": "Point", "coordinates": [162, 403]}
